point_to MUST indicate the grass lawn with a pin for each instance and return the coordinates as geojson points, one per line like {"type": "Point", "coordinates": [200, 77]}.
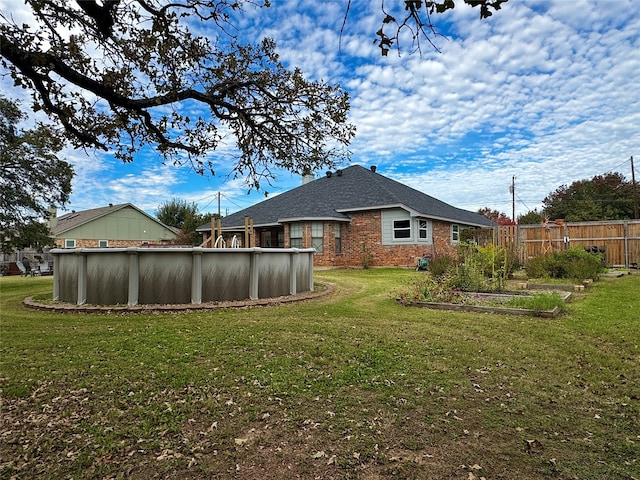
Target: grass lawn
{"type": "Point", "coordinates": [346, 386]}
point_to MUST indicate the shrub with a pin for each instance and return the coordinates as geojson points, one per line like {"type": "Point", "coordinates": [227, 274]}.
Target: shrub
{"type": "Point", "coordinates": [572, 263]}
{"type": "Point", "coordinates": [484, 268]}
{"type": "Point", "coordinates": [470, 275]}
{"type": "Point", "coordinates": [497, 261]}
{"type": "Point", "coordinates": [440, 266]}
{"type": "Point", "coordinates": [430, 288]}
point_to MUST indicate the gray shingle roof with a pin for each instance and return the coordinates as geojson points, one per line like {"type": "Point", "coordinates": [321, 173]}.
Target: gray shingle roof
{"type": "Point", "coordinates": [353, 189]}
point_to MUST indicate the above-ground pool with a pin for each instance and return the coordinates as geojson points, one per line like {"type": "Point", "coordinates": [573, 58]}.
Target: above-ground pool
{"type": "Point", "coordinates": [148, 275]}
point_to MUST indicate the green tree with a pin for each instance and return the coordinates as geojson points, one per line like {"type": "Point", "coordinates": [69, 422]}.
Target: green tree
{"type": "Point", "coordinates": [183, 215]}
{"type": "Point", "coordinates": [604, 197]}
{"type": "Point", "coordinates": [32, 179]}
{"type": "Point", "coordinates": [175, 212]}
{"type": "Point", "coordinates": [531, 218]}
{"type": "Point", "coordinates": [117, 75]}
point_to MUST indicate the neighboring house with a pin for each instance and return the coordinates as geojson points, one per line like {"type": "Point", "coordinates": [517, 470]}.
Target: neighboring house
{"type": "Point", "coordinates": [123, 225]}
{"type": "Point", "coordinates": [354, 217]}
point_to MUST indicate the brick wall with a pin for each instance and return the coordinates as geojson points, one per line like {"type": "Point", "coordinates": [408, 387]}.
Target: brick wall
{"type": "Point", "coordinates": [362, 244]}
{"type": "Point", "coordinates": [93, 243]}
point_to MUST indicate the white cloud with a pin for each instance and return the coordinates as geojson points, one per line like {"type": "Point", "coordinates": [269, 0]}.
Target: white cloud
{"type": "Point", "coordinates": [545, 91]}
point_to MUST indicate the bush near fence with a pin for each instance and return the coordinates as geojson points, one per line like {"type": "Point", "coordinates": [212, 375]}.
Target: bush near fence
{"type": "Point", "coordinates": [617, 241]}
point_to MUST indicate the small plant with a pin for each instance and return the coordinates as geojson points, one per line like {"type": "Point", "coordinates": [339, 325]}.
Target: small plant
{"type": "Point", "coordinates": [430, 288]}
{"type": "Point", "coordinates": [470, 276]}
{"type": "Point", "coordinates": [480, 268]}
{"type": "Point", "coordinates": [365, 255]}
{"type": "Point", "coordinates": [538, 303]}
{"type": "Point", "coordinates": [440, 266]}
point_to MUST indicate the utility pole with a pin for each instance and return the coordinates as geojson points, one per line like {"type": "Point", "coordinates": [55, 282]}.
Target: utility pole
{"type": "Point", "coordinates": [512, 189]}
{"type": "Point", "coordinates": [635, 192]}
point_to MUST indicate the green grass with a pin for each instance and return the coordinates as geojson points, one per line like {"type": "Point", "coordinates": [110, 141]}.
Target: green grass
{"type": "Point", "coordinates": [347, 386]}
{"type": "Point", "coordinates": [538, 302]}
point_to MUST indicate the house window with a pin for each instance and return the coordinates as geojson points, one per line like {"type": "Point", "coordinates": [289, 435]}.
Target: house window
{"type": "Point", "coordinates": [265, 239]}
{"type": "Point", "coordinates": [337, 230]}
{"type": "Point", "coordinates": [69, 243]}
{"type": "Point", "coordinates": [424, 230]}
{"type": "Point", "coordinates": [401, 229]}
{"type": "Point", "coordinates": [295, 235]}
{"type": "Point", "coordinates": [317, 236]}
{"type": "Point", "coordinates": [455, 233]}
{"type": "Point", "coordinates": [103, 243]}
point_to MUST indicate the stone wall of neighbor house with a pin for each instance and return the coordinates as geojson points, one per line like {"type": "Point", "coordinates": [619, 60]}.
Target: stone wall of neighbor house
{"type": "Point", "coordinates": [93, 243]}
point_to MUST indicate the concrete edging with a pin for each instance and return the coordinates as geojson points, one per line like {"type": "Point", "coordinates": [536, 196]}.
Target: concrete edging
{"type": "Point", "coordinates": [185, 307]}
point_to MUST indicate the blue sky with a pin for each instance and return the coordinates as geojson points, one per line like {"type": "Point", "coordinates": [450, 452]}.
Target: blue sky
{"type": "Point", "coordinates": [546, 91]}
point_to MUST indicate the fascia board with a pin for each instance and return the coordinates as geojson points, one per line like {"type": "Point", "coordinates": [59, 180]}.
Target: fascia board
{"type": "Point", "coordinates": [241, 227]}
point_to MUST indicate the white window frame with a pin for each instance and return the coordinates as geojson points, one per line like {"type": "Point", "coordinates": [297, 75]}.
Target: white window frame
{"type": "Point", "coordinates": [425, 227]}
{"type": "Point", "coordinates": [69, 243]}
{"type": "Point", "coordinates": [404, 229]}
{"type": "Point", "coordinates": [103, 243]}
{"type": "Point", "coordinates": [455, 233]}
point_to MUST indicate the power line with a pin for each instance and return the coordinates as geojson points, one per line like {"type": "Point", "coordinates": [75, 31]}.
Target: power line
{"type": "Point", "coordinates": [523, 203]}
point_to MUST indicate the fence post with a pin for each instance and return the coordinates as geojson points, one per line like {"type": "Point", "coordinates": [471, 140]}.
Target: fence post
{"type": "Point", "coordinates": [626, 244]}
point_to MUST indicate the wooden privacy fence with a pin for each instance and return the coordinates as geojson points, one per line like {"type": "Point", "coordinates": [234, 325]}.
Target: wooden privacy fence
{"type": "Point", "coordinates": [618, 240]}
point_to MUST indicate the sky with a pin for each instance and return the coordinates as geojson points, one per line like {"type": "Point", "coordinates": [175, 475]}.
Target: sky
{"type": "Point", "coordinates": [541, 94]}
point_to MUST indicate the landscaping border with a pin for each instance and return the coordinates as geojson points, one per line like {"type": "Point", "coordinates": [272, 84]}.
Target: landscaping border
{"type": "Point", "coordinates": [489, 309]}
{"type": "Point", "coordinates": [151, 308]}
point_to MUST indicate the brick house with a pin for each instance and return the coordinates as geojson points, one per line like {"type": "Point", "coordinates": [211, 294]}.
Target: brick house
{"type": "Point", "coordinates": [352, 217]}
{"type": "Point", "coordinates": [123, 225]}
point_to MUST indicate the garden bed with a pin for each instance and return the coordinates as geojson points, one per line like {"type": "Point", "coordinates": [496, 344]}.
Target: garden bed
{"type": "Point", "coordinates": [491, 303]}
{"type": "Point", "coordinates": [558, 286]}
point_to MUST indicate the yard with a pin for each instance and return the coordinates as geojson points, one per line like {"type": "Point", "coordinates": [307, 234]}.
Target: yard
{"type": "Point", "coordinates": [347, 386]}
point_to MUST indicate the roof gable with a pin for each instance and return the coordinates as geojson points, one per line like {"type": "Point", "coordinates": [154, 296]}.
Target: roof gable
{"type": "Point", "coordinates": [353, 189]}
{"type": "Point", "coordinates": [75, 219]}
